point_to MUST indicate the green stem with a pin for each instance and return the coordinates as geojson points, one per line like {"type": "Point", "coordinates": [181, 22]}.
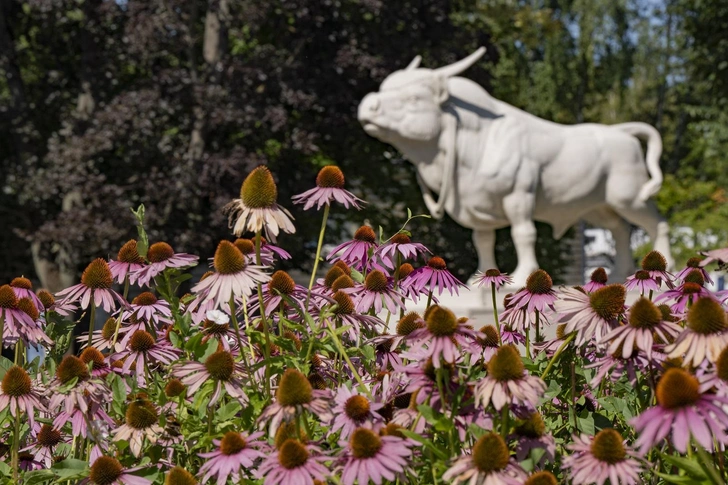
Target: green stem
{"type": "Point", "coordinates": [538, 326]}
{"type": "Point", "coordinates": [121, 312]}
{"type": "Point", "coordinates": [342, 351]}
{"type": "Point", "coordinates": [92, 321]}
{"type": "Point", "coordinates": [19, 352]}
{"type": "Point", "coordinates": [264, 321]}
{"type": "Point", "coordinates": [209, 421]}
{"type": "Point", "coordinates": [16, 444]}
{"type": "Point", "coordinates": [528, 343]}
{"type": "Point", "coordinates": [234, 319]}
{"type": "Point", "coordinates": [566, 342]}
{"type": "Point", "coordinates": [504, 421]}
{"type": "Point", "coordinates": [429, 300]}
{"type": "Point", "coordinates": [318, 252]}
{"type": "Point", "coordinates": [707, 466]}
{"type": "Point", "coordinates": [2, 329]}
{"type": "Point", "coordinates": [495, 313]}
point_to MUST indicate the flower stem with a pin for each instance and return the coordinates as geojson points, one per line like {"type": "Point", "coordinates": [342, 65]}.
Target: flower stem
{"type": "Point", "coordinates": [16, 444]}
{"type": "Point", "coordinates": [318, 252]}
{"type": "Point", "coordinates": [429, 300]}
{"type": "Point", "coordinates": [234, 319]}
{"type": "Point", "coordinates": [566, 342]}
{"type": "Point", "coordinates": [2, 329]}
{"type": "Point", "coordinates": [504, 421]}
{"type": "Point", "coordinates": [538, 326]}
{"type": "Point", "coordinates": [91, 323]}
{"type": "Point", "coordinates": [528, 343]}
{"type": "Point", "coordinates": [342, 351]}
{"type": "Point", "coordinates": [266, 331]}
{"type": "Point", "coordinates": [495, 313]}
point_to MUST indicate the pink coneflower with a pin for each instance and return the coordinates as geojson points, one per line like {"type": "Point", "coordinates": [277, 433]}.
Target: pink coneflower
{"type": "Point", "coordinates": [492, 277]}
{"type": "Point", "coordinates": [12, 318]}
{"type": "Point", "coordinates": [410, 322]}
{"type": "Point", "coordinates": [542, 477]}
{"type": "Point", "coordinates": [488, 343]}
{"type": "Point", "coordinates": [656, 265]}
{"type": "Point", "coordinates": [507, 382]}
{"type": "Point", "coordinates": [256, 209]}
{"type": "Point", "coordinates": [20, 394]}
{"type": "Point", "coordinates": [128, 261]}
{"type": "Point", "coordinates": [345, 314]}
{"type": "Point", "coordinates": [682, 411]}
{"type": "Point", "coordinates": [406, 414]}
{"type": "Point", "coordinates": [161, 256]}
{"type": "Point", "coordinates": [598, 279]}
{"type": "Point", "coordinates": [605, 457]}
{"type": "Point", "coordinates": [593, 315]}
{"type": "Point", "coordinates": [142, 421]}
{"type": "Point", "coordinates": [280, 289]}
{"type": "Point", "coordinates": [46, 440]}
{"type": "Point", "coordinates": [378, 292]}
{"type": "Point", "coordinates": [538, 295]}
{"type": "Point", "coordinates": [645, 322]}
{"type": "Point", "coordinates": [687, 293]}
{"type": "Point", "coordinates": [32, 334]}
{"type": "Point", "coordinates": [23, 288]}
{"type": "Point", "coordinates": [268, 251]}
{"type": "Point", "coordinates": [353, 410]}
{"type": "Point", "coordinates": [235, 457]}
{"type": "Point", "coordinates": [219, 368]}
{"type": "Point", "coordinates": [693, 263]}
{"type": "Point", "coordinates": [433, 276]}
{"type": "Point", "coordinates": [51, 305]}
{"type": "Point", "coordinates": [642, 281]}
{"type": "Point", "coordinates": [530, 433]}
{"type": "Point", "coordinates": [232, 277]}
{"type": "Point", "coordinates": [294, 395]}
{"type": "Point", "coordinates": [329, 188]}
{"type": "Point", "coordinates": [399, 246]}
{"type": "Point", "coordinates": [489, 464]}
{"type": "Point", "coordinates": [219, 328]}
{"type": "Point", "coordinates": [295, 462]}
{"type": "Point", "coordinates": [148, 308]}
{"type": "Point", "coordinates": [705, 335]}
{"type": "Point", "coordinates": [373, 457]}
{"type": "Point", "coordinates": [144, 350]}
{"type": "Point", "coordinates": [443, 338]}
{"type": "Point", "coordinates": [386, 353]}
{"type": "Point", "coordinates": [356, 252]}
{"type": "Point", "coordinates": [107, 470]}
{"type": "Point", "coordinates": [95, 286]}
{"type": "Point", "coordinates": [510, 335]}
{"type": "Point", "coordinates": [99, 365]}
{"type": "Point", "coordinates": [720, 256]}
{"type": "Point", "coordinates": [103, 338]}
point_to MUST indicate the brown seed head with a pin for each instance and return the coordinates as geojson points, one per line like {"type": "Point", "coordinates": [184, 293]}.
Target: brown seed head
{"type": "Point", "coordinates": [179, 476]}
{"type": "Point", "coordinates": [344, 303]}
{"type": "Point", "coordinates": [357, 408]}
{"type": "Point", "coordinates": [365, 234]}
{"type": "Point", "coordinates": [16, 382]}
{"type": "Point", "coordinates": [490, 453]}
{"type": "Point", "coordinates": [46, 298]}
{"type": "Point", "coordinates": [129, 253]}
{"type": "Point", "coordinates": [506, 364]}
{"type": "Point", "coordinates": [232, 443]}
{"type": "Point", "coordinates": [599, 275]}
{"type": "Point", "coordinates": [71, 367]}
{"type": "Point", "coordinates": [159, 252]}
{"type": "Point", "coordinates": [245, 246]}
{"type": "Point", "coordinates": [97, 275]}
{"type": "Point", "coordinates": [21, 282]}
{"type": "Point", "coordinates": [259, 189]}
{"type": "Point", "coordinates": [332, 275]}
{"type": "Point", "coordinates": [677, 388]}
{"type": "Point", "coordinates": [141, 341]}
{"type": "Point", "coordinates": [220, 365]}
{"type": "Point", "coordinates": [608, 446]}
{"type": "Point", "coordinates": [400, 238]}
{"type": "Point", "coordinates": [364, 443]}
{"type": "Point", "coordinates": [342, 282]}
{"type": "Point", "coordinates": [706, 316]}
{"type": "Point", "coordinates": [92, 354]}
{"type": "Point", "coordinates": [608, 302]}
{"type": "Point", "coordinates": [541, 478]}
{"type": "Point", "coordinates": [145, 299]}
{"type": "Point", "coordinates": [105, 470]}
{"type": "Point", "coordinates": [539, 282]}
{"type": "Point", "coordinates": [292, 454]}
{"type": "Point", "coordinates": [654, 261]}
{"type": "Point", "coordinates": [294, 389]}
{"type": "Point", "coordinates": [228, 259]}
{"type": "Point", "coordinates": [405, 269]}
{"type": "Point", "coordinates": [7, 297]}
{"type": "Point", "coordinates": [282, 283]}
{"type": "Point", "coordinates": [644, 314]}
{"type": "Point", "coordinates": [174, 388]}
{"type": "Point", "coordinates": [436, 262]}
{"type": "Point", "coordinates": [532, 427]}
{"type": "Point", "coordinates": [141, 414]}
{"type": "Point", "coordinates": [695, 276]}
{"type": "Point", "coordinates": [27, 306]}
{"type": "Point", "coordinates": [440, 321]}
{"type": "Point", "coordinates": [409, 323]}
{"type": "Point", "coordinates": [376, 281]}
{"type": "Point", "coordinates": [330, 177]}
{"type": "Point", "coordinates": [48, 436]}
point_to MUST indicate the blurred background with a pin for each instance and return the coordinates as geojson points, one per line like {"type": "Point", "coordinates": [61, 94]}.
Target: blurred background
{"type": "Point", "coordinates": [108, 104]}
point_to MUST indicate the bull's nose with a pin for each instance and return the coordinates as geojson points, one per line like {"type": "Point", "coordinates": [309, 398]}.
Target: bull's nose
{"type": "Point", "coordinates": [369, 106]}
{"type": "Point", "coordinates": [374, 105]}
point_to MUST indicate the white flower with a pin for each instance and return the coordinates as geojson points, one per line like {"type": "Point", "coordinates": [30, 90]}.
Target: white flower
{"type": "Point", "coordinates": [218, 317]}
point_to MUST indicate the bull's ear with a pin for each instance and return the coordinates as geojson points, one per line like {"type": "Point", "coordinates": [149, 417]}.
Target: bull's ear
{"type": "Point", "coordinates": [414, 64]}
{"type": "Point", "coordinates": [441, 92]}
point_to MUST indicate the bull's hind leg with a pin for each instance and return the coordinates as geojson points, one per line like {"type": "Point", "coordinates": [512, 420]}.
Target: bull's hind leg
{"type": "Point", "coordinates": [647, 217]}
{"type": "Point", "coordinates": [608, 219]}
{"type": "Point", "coordinates": [518, 207]}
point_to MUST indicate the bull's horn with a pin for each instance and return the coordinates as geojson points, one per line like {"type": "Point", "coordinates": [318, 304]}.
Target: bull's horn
{"type": "Point", "coordinates": [461, 65]}
{"type": "Point", "coordinates": [414, 64]}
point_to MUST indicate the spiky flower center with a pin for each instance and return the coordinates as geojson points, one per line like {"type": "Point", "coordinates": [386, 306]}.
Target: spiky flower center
{"type": "Point", "coordinates": [97, 275]}
{"type": "Point", "coordinates": [532, 427]}
{"type": "Point", "coordinates": [7, 297]}
{"type": "Point", "coordinates": [695, 276]}
{"type": "Point", "coordinates": [436, 262]}
{"type": "Point", "coordinates": [541, 478]}
{"type": "Point", "coordinates": [357, 408]}
{"type": "Point", "coordinates": [228, 259]}
{"type": "Point", "coordinates": [174, 388]}
{"type": "Point", "coordinates": [160, 252]}
{"type": "Point", "coordinates": [677, 388]}
{"type": "Point", "coordinates": [343, 267]}
{"type": "Point", "coordinates": [220, 365]}
{"type": "Point", "coordinates": [654, 261]}
{"type": "Point", "coordinates": [491, 336]}
{"type": "Point", "coordinates": [506, 364]}
{"type": "Point", "coordinates": [440, 321]}
{"type": "Point", "coordinates": [385, 346]}
{"type": "Point", "coordinates": [317, 381]}
{"type": "Point", "coordinates": [71, 367]}
{"type": "Point", "coordinates": [608, 446]}
{"type": "Point", "coordinates": [295, 338]}
{"type": "Point", "coordinates": [364, 443]}
{"type": "Point", "coordinates": [644, 314]}
{"type": "Point", "coordinates": [21, 282]}
{"type": "Point", "coordinates": [179, 476]}
{"type": "Point", "coordinates": [330, 177]}
{"type": "Point", "coordinates": [129, 253]}
{"type": "Point", "coordinates": [287, 430]}
{"type": "Point", "coordinates": [332, 275]}
{"type": "Point", "coordinates": [706, 317]}
{"type": "Point", "coordinates": [105, 470]}
{"type": "Point", "coordinates": [691, 288]}
{"type": "Point", "coordinates": [721, 365]}
{"type": "Point", "coordinates": [376, 281]}
{"type": "Point", "coordinates": [539, 282]}
{"type": "Point", "coordinates": [16, 382]}
{"type": "Point", "coordinates": [27, 306]}
{"type": "Point", "coordinates": [46, 299]}
{"type": "Point", "coordinates": [642, 275]}
{"type": "Point", "coordinates": [561, 330]}
{"type": "Point", "coordinates": [292, 454]}
{"type": "Point", "coordinates": [344, 303]}
{"type": "Point", "coordinates": [693, 262]}
{"type": "Point", "coordinates": [107, 331]}
{"type": "Point", "coordinates": [48, 436]}
{"type": "Point", "coordinates": [145, 299]}
{"type": "Point", "coordinates": [232, 443]}
{"type": "Point", "coordinates": [599, 275]}
{"type": "Point", "coordinates": [608, 302]}
{"type": "Point", "coordinates": [400, 238]}
{"type": "Point", "coordinates": [281, 282]}
{"type": "Point", "coordinates": [409, 323]}
{"type": "Point", "coordinates": [92, 354]}
{"type": "Point", "coordinates": [342, 282]}
{"type": "Point", "coordinates": [259, 189]}
{"type": "Point", "coordinates": [492, 272]}
{"type": "Point", "coordinates": [365, 234]}
{"type": "Point", "coordinates": [294, 389]}
{"type": "Point", "coordinates": [405, 270]}
{"type": "Point", "coordinates": [245, 246]}
{"type": "Point", "coordinates": [141, 341]}
{"type": "Point", "coordinates": [141, 414]}
{"type": "Point", "coordinates": [490, 453]}
{"type": "Point", "coordinates": [393, 429]}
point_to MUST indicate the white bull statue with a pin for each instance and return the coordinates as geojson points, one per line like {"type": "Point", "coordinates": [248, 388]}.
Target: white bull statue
{"type": "Point", "coordinates": [493, 165]}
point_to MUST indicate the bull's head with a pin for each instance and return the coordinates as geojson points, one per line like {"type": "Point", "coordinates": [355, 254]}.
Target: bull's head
{"type": "Point", "coordinates": [408, 104]}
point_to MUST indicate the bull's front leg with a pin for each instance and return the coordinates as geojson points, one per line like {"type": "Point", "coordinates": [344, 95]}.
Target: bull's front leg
{"type": "Point", "coordinates": [484, 241]}
{"type": "Point", "coordinates": [518, 207]}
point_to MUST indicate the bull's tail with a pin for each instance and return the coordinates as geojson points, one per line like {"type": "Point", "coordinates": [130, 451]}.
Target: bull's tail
{"type": "Point", "coordinates": [654, 150]}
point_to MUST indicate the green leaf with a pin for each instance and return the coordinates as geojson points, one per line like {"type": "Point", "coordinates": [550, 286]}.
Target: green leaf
{"type": "Point", "coordinates": [228, 411]}
{"type": "Point", "coordinates": [118, 389]}
{"type": "Point", "coordinates": [143, 241]}
{"type": "Point", "coordinates": [679, 479]}
{"type": "Point", "coordinates": [37, 476]}
{"type": "Point", "coordinates": [690, 467]}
